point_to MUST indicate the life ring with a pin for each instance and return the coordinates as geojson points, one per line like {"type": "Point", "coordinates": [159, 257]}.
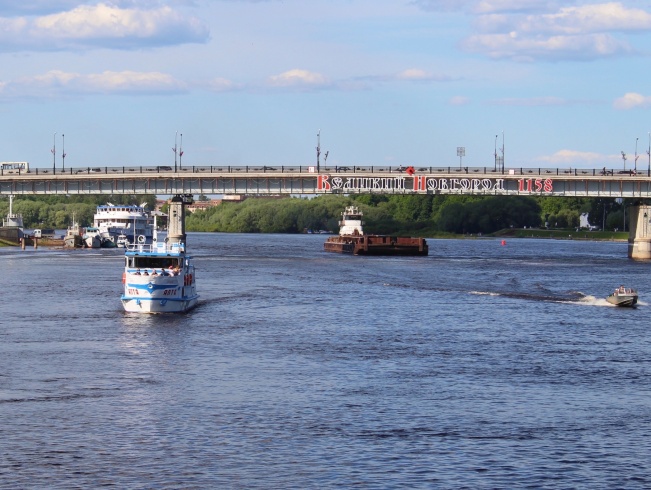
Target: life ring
{"type": "Point", "coordinates": [141, 238]}
{"type": "Point", "coordinates": [124, 278]}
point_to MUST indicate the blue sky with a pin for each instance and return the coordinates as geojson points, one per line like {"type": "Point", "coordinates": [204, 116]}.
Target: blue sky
{"type": "Point", "coordinates": [385, 82]}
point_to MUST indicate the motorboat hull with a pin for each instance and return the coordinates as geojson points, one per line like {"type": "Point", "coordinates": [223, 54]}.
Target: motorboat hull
{"type": "Point", "coordinates": [623, 300]}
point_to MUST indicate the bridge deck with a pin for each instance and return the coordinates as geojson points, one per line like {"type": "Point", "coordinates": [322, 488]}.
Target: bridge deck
{"type": "Point", "coordinates": [164, 180]}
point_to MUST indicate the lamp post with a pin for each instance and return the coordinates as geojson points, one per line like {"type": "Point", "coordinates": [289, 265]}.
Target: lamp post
{"type": "Point", "coordinates": [318, 151]}
{"type": "Point", "coordinates": [635, 163]}
{"type": "Point", "coordinates": [174, 150]}
{"type": "Point", "coordinates": [502, 151]}
{"type": "Point", "coordinates": [495, 153]}
{"type": "Point", "coordinates": [624, 158]}
{"type": "Point", "coordinates": [181, 152]}
{"type": "Point", "coordinates": [648, 152]}
{"type": "Point", "coordinates": [54, 153]}
{"type": "Point", "coordinates": [63, 153]}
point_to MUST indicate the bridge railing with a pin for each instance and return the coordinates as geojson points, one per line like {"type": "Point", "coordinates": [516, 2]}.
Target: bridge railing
{"type": "Point", "coordinates": [333, 169]}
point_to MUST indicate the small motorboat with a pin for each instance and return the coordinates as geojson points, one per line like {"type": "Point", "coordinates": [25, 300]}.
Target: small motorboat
{"type": "Point", "coordinates": [623, 297]}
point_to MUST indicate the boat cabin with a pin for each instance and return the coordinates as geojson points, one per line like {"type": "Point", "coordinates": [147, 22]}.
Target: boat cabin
{"type": "Point", "coordinates": [153, 262]}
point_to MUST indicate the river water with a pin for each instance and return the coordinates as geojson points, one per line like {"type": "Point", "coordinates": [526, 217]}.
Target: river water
{"type": "Point", "coordinates": [480, 366]}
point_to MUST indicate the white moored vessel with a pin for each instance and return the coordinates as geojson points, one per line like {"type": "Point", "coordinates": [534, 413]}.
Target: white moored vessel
{"type": "Point", "coordinates": [133, 222]}
{"type": "Point", "coordinates": [160, 277]}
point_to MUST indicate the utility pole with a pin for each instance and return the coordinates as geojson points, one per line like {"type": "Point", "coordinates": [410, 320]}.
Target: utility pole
{"type": "Point", "coordinates": [54, 153]}
{"type": "Point", "coordinates": [318, 151]}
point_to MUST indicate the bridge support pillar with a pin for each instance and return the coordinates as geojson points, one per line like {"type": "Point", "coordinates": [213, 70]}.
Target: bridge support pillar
{"type": "Point", "coordinates": [639, 237]}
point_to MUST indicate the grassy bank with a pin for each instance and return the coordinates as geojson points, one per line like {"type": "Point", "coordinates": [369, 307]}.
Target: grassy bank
{"type": "Point", "coordinates": [562, 234]}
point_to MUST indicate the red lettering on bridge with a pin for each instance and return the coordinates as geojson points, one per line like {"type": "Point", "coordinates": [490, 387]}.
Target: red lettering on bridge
{"type": "Point", "coordinates": [323, 182]}
{"type": "Point", "coordinates": [535, 185]}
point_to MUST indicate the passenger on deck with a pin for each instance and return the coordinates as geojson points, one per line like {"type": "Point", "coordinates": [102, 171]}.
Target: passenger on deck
{"type": "Point", "coordinates": [145, 273]}
{"type": "Point", "coordinates": [138, 272]}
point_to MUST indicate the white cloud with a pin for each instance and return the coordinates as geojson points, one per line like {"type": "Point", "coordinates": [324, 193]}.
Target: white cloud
{"type": "Point", "coordinates": [488, 6]}
{"type": "Point", "coordinates": [223, 85]}
{"type": "Point", "coordinates": [528, 30]}
{"type": "Point", "coordinates": [587, 19]}
{"type": "Point", "coordinates": [101, 25]}
{"type": "Point", "coordinates": [530, 48]}
{"type": "Point", "coordinates": [632, 100]}
{"type": "Point", "coordinates": [576, 158]}
{"type": "Point", "coordinates": [56, 83]}
{"type": "Point", "coordinates": [418, 75]}
{"type": "Point", "coordinates": [301, 79]}
{"type": "Point", "coordinates": [459, 100]}
{"type": "Point", "coordinates": [533, 101]}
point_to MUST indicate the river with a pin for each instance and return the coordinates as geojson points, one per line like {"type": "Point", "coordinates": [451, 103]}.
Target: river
{"type": "Point", "coordinates": [484, 365]}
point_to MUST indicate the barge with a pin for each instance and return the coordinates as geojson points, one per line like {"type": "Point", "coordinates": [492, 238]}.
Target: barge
{"type": "Point", "coordinates": [352, 240]}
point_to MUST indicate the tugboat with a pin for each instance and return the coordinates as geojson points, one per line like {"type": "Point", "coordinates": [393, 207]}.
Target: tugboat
{"type": "Point", "coordinates": [352, 240]}
{"type": "Point", "coordinates": [160, 277]}
{"type": "Point", "coordinates": [626, 297]}
{"type": "Point", "coordinates": [73, 238]}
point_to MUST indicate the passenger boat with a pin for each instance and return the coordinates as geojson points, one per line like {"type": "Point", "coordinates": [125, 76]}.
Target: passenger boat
{"type": "Point", "coordinates": [134, 222]}
{"type": "Point", "coordinates": [623, 296]}
{"type": "Point", "coordinates": [352, 240]}
{"type": "Point", "coordinates": [160, 277]}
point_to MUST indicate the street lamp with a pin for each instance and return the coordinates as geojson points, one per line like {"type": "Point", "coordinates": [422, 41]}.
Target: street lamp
{"type": "Point", "coordinates": [635, 168]}
{"type": "Point", "coordinates": [502, 151]}
{"type": "Point", "coordinates": [495, 153]}
{"type": "Point", "coordinates": [181, 152]}
{"type": "Point", "coordinates": [624, 158]}
{"type": "Point", "coordinates": [63, 153]}
{"type": "Point", "coordinates": [318, 151]}
{"type": "Point", "coordinates": [54, 153]}
{"type": "Point", "coordinates": [648, 152]}
{"type": "Point", "coordinates": [174, 150]}
{"type": "Point", "coordinates": [461, 152]}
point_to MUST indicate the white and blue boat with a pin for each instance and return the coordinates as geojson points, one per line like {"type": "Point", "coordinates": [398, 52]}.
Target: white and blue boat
{"type": "Point", "coordinates": [160, 277]}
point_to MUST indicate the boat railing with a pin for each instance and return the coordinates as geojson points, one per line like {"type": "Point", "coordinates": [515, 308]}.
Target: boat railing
{"type": "Point", "coordinates": [158, 247]}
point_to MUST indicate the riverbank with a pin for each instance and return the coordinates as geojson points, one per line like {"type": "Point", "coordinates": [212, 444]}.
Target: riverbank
{"type": "Point", "coordinates": [562, 234]}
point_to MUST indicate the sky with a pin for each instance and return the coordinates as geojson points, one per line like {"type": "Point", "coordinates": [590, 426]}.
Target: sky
{"type": "Point", "coordinates": [545, 83]}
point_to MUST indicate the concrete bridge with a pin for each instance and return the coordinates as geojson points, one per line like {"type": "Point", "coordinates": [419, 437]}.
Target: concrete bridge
{"type": "Point", "coordinates": [308, 180]}
{"type": "Point", "coordinates": [292, 180]}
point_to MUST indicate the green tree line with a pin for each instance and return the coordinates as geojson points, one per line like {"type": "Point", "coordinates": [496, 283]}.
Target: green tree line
{"type": "Point", "coordinates": [417, 215]}
{"type": "Point", "coordinates": [58, 211]}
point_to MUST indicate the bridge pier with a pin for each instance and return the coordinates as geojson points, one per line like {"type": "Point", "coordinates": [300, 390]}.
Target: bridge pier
{"type": "Point", "coordinates": [639, 237]}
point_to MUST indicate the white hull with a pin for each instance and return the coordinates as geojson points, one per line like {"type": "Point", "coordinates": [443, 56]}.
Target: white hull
{"type": "Point", "coordinates": [158, 280]}
{"type": "Point", "coordinates": [92, 241]}
{"type": "Point", "coordinates": [159, 305]}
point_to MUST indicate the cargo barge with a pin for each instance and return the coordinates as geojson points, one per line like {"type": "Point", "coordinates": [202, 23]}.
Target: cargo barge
{"type": "Point", "coordinates": [352, 240]}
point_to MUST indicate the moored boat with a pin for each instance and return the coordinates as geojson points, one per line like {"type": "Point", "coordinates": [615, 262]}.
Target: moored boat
{"type": "Point", "coordinates": [91, 237]}
{"type": "Point", "coordinates": [13, 220]}
{"type": "Point", "coordinates": [73, 237]}
{"type": "Point", "coordinates": [160, 277]}
{"type": "Point", "coordinates": [623, 296]}
{"type": "Point", "coordinates": [353, 240]}
{"type": "Point", "coordinates": [134, 222]}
